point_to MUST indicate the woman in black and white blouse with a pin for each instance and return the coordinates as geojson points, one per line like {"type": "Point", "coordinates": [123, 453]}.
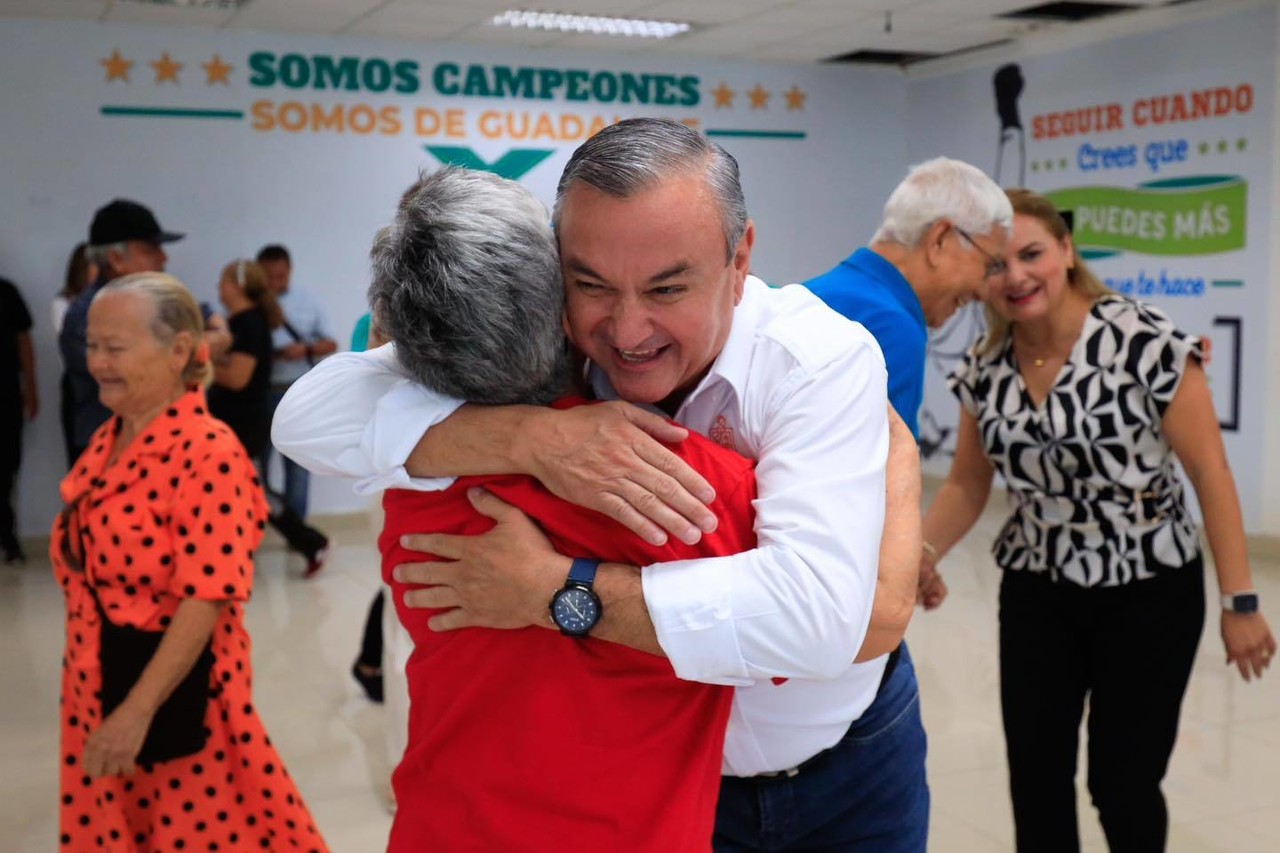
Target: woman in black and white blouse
{"type": "Point", "coordinates": [1082, 399]}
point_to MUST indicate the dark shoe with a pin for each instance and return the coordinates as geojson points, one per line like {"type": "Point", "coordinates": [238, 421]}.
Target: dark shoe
{"type": "Point", "coordinates": [315, 562]}
{"type": "Point", "coordinates": [14, 555]}
{"type": "Point", "coordinates": [370, 681]}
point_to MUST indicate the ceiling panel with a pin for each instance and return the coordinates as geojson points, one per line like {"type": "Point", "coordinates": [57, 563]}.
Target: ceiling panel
{"type": "Point", "coordinates": [53, 8]}
{"type": "Point", "coordinates": [707, 11]}
{"type": "Point", "coordinates": [767, 30]}
{"type": "Point", "coordinates": [149, 13]}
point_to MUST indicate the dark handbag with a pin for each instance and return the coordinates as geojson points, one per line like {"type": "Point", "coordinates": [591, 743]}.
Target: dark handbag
{"type": "Point", "coordinates": [177, 729]}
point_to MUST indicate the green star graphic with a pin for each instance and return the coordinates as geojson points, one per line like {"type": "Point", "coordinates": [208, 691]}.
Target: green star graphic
{"type": "Point", "coordinates": [1035, 165]}
{"type": "Point", "coordinates": [1048, 165]}
{"type": "Point", "coordinates": [1062, 164]}
{"type": "Point", "coordinates": [1242, 144]}
{"type": "Point", "coordinates": [1204, 148]}
{"type": "Point", "coordinates": [1222, 146]}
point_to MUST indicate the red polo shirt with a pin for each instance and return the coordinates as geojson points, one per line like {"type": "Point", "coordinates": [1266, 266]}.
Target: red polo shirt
{"type": "Point", "coordinates": [529, 740]}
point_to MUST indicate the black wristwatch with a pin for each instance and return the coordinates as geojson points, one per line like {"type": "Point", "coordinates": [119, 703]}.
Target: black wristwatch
{"type": "Point", "coordinates": [575, 608]}
{"type": "Point", "coordinates": [1240, 602]}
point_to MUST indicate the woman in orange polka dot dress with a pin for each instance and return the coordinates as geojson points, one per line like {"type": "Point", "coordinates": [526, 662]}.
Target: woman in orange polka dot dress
{"type": "Point", "coordinates": [164, 513]}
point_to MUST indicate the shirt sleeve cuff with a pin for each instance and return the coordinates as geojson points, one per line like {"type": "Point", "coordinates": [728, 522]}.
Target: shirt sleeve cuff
{"type": "Point", "coordinates": [690, 603]}
{"type": "Point", "coordinates": [399, 420]}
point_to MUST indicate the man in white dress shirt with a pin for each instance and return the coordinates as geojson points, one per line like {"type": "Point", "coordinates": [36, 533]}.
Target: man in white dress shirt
{"type": "Point", "coordinates": [821, 752]}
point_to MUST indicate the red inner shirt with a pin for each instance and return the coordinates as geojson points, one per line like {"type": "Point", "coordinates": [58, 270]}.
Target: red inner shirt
{"type": "Point", "coordinates": [529, 740]}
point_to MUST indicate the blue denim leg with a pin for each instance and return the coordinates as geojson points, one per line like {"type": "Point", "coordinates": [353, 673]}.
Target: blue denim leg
{"type": "Point", "coordinates": [867, 793]}
{"type": "Point", "coordinates": [297, 481]}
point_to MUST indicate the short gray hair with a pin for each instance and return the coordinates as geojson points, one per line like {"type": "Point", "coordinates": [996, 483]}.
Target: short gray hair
{"type": "Point", "coordinates": [943, 188]}
{"type": "Point", "coordinates": [467, 283]}
{"type": "Point", "coordinates": [637, 154]}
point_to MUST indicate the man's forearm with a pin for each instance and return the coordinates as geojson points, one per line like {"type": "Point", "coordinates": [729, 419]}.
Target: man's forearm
{"type": "Point", "coordinates": [624, 618]}
{"type": "Point", "coordinates": [899, 561]}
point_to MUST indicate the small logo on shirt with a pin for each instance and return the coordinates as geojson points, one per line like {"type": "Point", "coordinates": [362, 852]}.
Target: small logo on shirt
{"type": "Point", "coordinates": [722, 434]}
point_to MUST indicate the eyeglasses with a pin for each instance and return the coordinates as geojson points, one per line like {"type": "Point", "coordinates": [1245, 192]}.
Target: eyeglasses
{"type": "Point", "coordinates": [996, 267]}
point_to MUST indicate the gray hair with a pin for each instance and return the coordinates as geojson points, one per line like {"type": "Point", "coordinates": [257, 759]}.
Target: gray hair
{"type": "Point", "coordinates": [637, 154]}
{"type": "Point", "coordinates": [98, 254]}
{"type": "Point", "coordinates": [175, 311]}
{"type": "Point", "coordinates": [943, 188]}
{"type": "Point", "coordinates": [467, 283]}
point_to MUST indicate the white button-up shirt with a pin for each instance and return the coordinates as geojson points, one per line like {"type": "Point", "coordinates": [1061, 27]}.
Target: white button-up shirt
{"type": "Point", "coordinates": [798, 388]}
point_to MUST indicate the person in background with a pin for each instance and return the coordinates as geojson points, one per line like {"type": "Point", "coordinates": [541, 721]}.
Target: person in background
{"type": "Point", "coordinates": [240, 395]}
{"type": "Point", "coordinates": [19, 402]}
{"type": "Point", "coordinates": [81, 272]}
{"type": "Point", "coordinates": [1083, 400]}
{"type": "Point", "coordinates": [940, 241]}
{"type": "Point", "coordinates": [124, 238]}
{"type": "Point", "coordinates": [303, 338]}
{"type": "Point", "coordinates": [161, 746]}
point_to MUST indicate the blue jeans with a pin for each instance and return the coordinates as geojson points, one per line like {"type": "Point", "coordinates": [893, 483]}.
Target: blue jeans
{"type": "Point", "coordinates": [866, 793]}
{"type": "Point", "coordinates": [296, 478]}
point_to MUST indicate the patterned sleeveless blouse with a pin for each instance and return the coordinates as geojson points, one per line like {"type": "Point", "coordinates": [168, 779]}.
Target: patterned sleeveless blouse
{"type": "Point", "coordinates": [1097, 499]}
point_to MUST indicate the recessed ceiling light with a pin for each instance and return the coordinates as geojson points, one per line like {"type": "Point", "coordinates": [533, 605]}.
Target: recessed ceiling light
{"type": "Point", "coordinates": [590, 24]}
{"type": "Point", "coordinates": [199, 4]}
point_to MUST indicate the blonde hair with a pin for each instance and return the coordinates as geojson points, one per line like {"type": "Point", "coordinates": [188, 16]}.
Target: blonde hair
{"type": "Point", "coordinates": [1079, 276]}
{"type": "Point", "coordinates": [176, 311]}
{"type": "Point", "coordinates": [252, 279]}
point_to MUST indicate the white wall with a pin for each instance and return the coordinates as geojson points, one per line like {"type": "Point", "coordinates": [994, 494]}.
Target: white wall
{"type": "Point", "coordinates": [954, 114]}
{"type": "Point", "coordinates": [233, 187]}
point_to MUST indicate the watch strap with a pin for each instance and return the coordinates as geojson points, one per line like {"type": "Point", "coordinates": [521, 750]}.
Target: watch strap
{"type": "Point", "coordinates": [583, 571]}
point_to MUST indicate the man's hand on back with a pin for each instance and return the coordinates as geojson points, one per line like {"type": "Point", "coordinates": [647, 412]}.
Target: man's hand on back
{"type": "Point", "coordinates": [504, 578]}
{"type": "Point", "coordinates": [608, 458]}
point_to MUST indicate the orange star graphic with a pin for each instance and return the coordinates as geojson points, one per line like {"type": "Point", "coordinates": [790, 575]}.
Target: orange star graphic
{"type": "Point", "coordinates": [795, 98]}
{"type": "Point", "coordinates": [724, 96]}
{"type": "Point", "coordinates": [117, 66]}
{"type": "Point", "coordinates": [217, 71]}
{"type": "Point", "coordinates": [166, 69]}
{"type": "Point", "coordinates": [759, 98]}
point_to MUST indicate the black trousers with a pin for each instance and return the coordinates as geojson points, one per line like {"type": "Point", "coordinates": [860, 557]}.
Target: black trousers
{"type": "Point", "coordinates": [1128, 652]}
{"type": "Point", "coordinates": [371, 639]}
{"type": "Point", "coordinates": [11, 423]}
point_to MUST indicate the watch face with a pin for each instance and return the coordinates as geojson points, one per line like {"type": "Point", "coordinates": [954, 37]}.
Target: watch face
{"type": "Point", "coordinates": [1246, 603]}
{"type": "Point", "coordinates": [575, 610]}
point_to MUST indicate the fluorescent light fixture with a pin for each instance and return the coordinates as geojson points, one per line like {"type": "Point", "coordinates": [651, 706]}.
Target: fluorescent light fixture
{"type": "Point", "coordinates": [590, 24]}
{"type": "Point", "coordinates": [198, 4]}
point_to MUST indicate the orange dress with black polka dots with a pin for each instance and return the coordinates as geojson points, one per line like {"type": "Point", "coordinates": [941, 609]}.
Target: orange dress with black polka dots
{"type": "Point", "coordinates": [178, 515]}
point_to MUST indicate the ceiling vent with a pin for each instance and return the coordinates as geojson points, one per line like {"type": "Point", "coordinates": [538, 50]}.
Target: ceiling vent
{"type": "Point", "coordinates": [1067, 12]}
{"type": "Point", "coordinates": [881, 57]}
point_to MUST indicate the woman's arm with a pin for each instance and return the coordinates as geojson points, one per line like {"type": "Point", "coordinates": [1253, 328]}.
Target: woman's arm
{"type": "Point", "coordinates": [234, 370]}
{"type": "Point", "coordinates": [1191, 425]}
{"type": "Point", "coordinates": [955, 509]}
{"type": "Point", "coordinates": [111, 749]}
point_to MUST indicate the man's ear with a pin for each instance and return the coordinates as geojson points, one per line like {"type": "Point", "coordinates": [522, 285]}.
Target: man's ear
{"type": "Point", "coordinates": [933, 243]}
{"type": "Point", "coordinates": [742, 260]}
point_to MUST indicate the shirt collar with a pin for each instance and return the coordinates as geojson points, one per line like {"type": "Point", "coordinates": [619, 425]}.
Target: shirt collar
{"type": "Point", "coordinates": [731, 365]}
{"type": "Point", "coordinates": [157, 439]}
{"type": "Point", "coordinates": [873, 265]}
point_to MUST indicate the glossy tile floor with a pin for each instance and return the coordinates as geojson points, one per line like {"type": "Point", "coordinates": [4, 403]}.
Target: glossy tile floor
{"type": "Point", "coordinates": [1223, 785]}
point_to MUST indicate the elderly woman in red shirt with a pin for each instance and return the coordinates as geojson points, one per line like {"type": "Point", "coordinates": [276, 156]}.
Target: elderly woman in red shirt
{"type": "Point", "coordinates": [161, 746]}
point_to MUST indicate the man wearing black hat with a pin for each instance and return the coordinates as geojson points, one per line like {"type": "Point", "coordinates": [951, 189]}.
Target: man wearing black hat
{"type": "Point", "coordinates": [124, 238]}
